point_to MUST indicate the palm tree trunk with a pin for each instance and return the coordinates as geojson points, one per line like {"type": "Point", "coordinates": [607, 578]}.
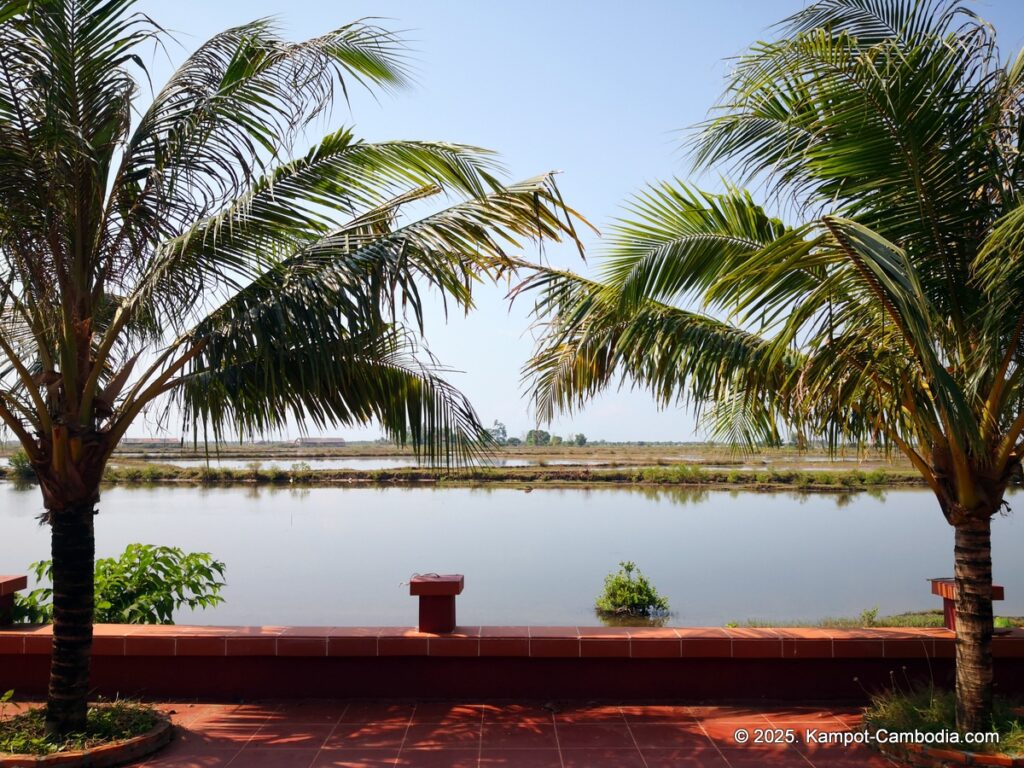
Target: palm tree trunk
{"type": "Point", "coordinates": [973, 555]}
{"type": "Point", "coordinates": [73, 549]}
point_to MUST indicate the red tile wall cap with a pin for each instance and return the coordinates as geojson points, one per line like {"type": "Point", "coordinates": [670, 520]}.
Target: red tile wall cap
{"type": "Point", "coordinates": [105, 756]}
{"type": "Point", "coordinates": [11, 584]}
{"type": "Point", "coordinates": [436, 585]}
{"type": "Point", "coordinates": [737, 633]}
{"type": "Point", "coordinates": [641, 642]}
{"type": "Point", "coordinates": [946, 588]}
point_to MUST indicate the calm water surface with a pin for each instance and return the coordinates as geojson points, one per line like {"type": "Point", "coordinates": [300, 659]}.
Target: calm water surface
{"type": "Point", "coordinates": [331, 556]}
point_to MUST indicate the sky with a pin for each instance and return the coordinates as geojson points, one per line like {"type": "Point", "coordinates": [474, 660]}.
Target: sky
{"type": "Point", "coordinates": [601, 91]}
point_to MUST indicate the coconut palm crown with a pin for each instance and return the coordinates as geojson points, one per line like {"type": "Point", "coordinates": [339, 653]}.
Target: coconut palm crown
{"type": "Point", "coordinates": [177, 252]}
{"type": "Point", "coordinates": [890, 311]}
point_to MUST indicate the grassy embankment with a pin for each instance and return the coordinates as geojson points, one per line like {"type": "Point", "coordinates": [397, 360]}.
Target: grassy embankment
{"type": "Point", "coordinates": [142, 472]}
{"type": "Point", "coordinates": [870, 618]}
{"type": "Point", "coordinates": [604, 465]}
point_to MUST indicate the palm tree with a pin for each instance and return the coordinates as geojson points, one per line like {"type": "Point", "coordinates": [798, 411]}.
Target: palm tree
{"type": "Point", "coordinates": [890, 314]}
{"type": "Point", "coordinates": [177, 252]}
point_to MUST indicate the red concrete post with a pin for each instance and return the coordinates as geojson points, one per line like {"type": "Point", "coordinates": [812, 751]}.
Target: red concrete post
{"type": "Point", "coordinates": [949, 613]}
{"type": "Point", "coordinates": [437, 600]}
{"type": "Point", "coordinates": [946, 589]}
{"type": "Point", "coordinates": [8, 586]}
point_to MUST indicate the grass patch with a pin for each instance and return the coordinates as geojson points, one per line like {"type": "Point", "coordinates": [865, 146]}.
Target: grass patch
{"type": "Point", "coordinates": [932, 711]}
{"type": "Point", "coordinates": [25, 733]}
{"type": "Point", "coordinates": [140, 472]}
{"type": "Point", "coordinates": [870, 618]}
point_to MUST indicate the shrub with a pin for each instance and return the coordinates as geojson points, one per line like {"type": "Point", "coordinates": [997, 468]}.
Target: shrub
{"type": "Point", "coordinates": [152, 474]}
{"type": "Point", "coordinates": [21, 466]}
{"type": "Point", "coordinates": [629, 591]}
{"type": "Point", "coordinates": [869, 617]}
{"type": "Point", "coordinates": [876, 477]}
{"type": "Point", "coordinates": [674, 473]}
{"type": "Point", "coordinates": [145, 585]}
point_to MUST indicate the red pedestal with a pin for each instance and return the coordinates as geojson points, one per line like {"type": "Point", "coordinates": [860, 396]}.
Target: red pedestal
{"type": "Point", "coordinates": [946, 589]}
{"type": "Point", "coordinates": [437, 600]}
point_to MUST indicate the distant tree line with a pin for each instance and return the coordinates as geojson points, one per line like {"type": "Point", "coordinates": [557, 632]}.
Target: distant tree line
{"type": "Point", "coordinates": [534, 437]}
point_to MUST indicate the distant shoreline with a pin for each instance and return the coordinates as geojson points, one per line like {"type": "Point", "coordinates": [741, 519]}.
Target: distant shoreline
{"type": "Point", "coordinates": [525, 478]}
{"type": "Point", "coordinates": [606, 465]}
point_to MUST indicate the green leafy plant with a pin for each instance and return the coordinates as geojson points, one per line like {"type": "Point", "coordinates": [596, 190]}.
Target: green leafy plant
{"type": "Point", "coordinates": [629, 591]}
{"type": "Point", "coordinates": [145, 585]}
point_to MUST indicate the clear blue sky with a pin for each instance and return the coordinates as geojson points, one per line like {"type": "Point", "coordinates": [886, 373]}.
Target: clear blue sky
{"type": "Point", "coordinates": [598, 90]}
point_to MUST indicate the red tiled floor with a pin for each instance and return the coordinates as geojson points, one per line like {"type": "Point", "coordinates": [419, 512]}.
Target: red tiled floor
{"type": "Point", "coordinates": [512, 735]}
{"type": "Point", "coordinates": [355, 758]}
{"type": "Point", "coordinates": [382, 735]}
{"type": "Point", "coordinates": [207, 760]}
{"type": "Point", "coordinates": [601, 758]}
{"type": "Point", "coordinates": [447, 712]}
{"type": "Point", "coordinates": [439, 758]}
{"type": "Point", "coordinates": [182, 755]}
{"type": "Point", "coordinates": [724, 728]}
{"type": "Point", "coordinates": [314, 711]}
{"type": "Point", "coordinates": [197, 735]}
{"type": "Point", "coordinates": [292, 735]}
{"type": "Point", "coordinates": [756, 757]}
{"type": "Point", "coordinates": [378, 712]}
{"type": "Point", "coordinates": [795, 717]}
{"type": "Point", "coordinates": [726, 712]}
{"type": "Point", "coordinates": [589, 713]}
{"type": "Point", "coordinates": [328, 734]}
{"type": "Point", "coordinates": [270, 757]}
{"type": "Point", "coordinates": [683, 758]}
{"type": "Point", "coordinates": [442, 736]}
{"type": "Point", "coordinates": [517, 713]}
{"type": "Point", "coordinates": [520, 758]}
{"type": "Point", "coordinates": [578, 735]}
{"type": "Point", "coordinates": [668, 735]}
{"type": "Point", "coordinates": [672, 713]}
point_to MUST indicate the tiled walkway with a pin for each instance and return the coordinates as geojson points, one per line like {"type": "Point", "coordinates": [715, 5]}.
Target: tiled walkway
{"type": "Point", "coordinates": [323, 734]}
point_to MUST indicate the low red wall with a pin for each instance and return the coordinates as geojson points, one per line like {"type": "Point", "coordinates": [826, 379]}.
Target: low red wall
{"type": "Point", "coordinates": [504, 662]}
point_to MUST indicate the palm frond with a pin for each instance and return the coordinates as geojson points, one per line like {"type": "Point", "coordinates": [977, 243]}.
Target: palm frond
{"type": "Point", "coordinates": [364, 377]}
{"type": "Point", "coordinates": [590, 342]}
{"type": "Point", "coordinates": [295, 205]}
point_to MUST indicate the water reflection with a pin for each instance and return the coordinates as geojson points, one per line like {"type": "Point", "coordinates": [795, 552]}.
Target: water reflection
{"type": "Point", "coordinates": [313, 556]}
